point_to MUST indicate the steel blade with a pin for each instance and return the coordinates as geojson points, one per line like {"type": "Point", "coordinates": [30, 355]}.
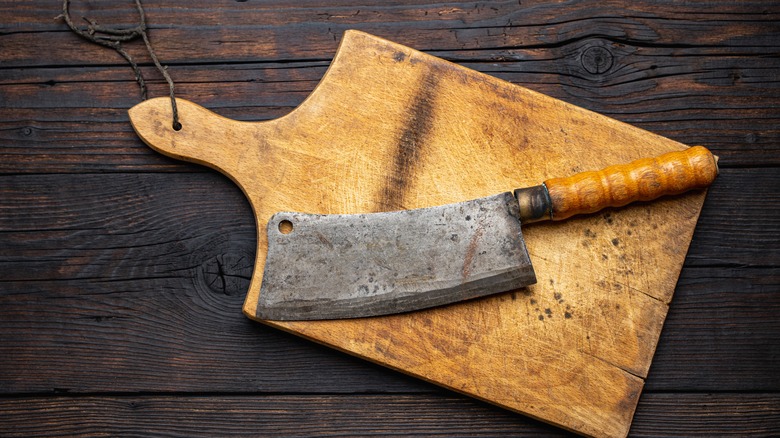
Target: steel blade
{"type": "Point", "coordinates": [350, 266]}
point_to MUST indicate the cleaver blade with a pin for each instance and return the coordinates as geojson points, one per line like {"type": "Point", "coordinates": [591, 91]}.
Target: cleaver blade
{"type": "Point", "coordinates": [355, 265]}
{"type": "Point", "coordinates": [359, 265]}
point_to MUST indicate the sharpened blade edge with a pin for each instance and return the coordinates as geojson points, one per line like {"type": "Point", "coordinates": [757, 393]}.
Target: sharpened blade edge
{"type": "Point", "coordinates": [367, 307]}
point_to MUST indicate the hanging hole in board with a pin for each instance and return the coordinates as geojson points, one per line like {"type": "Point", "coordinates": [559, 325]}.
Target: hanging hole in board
{"type": "Point", "coordinates": [177, 126]}
{"type": "Point", "coordinates": [285, 227]}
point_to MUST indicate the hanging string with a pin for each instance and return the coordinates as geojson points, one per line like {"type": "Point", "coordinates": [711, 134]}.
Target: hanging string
{"type": "Point", "coordinates": [113, 38]}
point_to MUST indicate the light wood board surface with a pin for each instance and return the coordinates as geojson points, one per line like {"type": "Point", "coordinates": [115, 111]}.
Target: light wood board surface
{"type": "Point", "coordinates": [392, 128]}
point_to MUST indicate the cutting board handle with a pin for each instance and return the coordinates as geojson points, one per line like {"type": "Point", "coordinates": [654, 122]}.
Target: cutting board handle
{"type": "Point", "coordinates": [641, 180]}
{"type": "Point", "coordinates": [204, 138]}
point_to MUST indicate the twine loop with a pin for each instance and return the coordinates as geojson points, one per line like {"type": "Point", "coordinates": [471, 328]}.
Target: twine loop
{"type": "Point", "coordinates": [114, 37]}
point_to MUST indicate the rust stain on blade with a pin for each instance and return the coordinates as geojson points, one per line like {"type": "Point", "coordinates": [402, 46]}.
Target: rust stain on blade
{"type": "Point", "coordinates": [470, 251]}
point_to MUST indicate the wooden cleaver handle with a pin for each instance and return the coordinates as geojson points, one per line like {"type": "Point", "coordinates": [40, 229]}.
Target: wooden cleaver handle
{"type": "Point", "coordinates": [615, 186]}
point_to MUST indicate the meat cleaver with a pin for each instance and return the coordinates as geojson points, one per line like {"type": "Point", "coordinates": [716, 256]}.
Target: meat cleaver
{"type": "Point", "coordinates": [359, 265]}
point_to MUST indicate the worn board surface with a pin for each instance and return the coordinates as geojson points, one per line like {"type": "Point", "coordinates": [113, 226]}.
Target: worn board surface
{"type": "Point", "coordinates": [392, 128]}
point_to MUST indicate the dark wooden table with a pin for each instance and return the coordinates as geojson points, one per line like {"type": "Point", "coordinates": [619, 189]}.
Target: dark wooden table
{"type": "Point", "coordinates": [122, 272]}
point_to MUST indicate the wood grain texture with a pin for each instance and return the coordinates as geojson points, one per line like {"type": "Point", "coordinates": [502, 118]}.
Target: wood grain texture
{"type": "Point", "coordinates": [138, 260]}
{"type": "Point", "coordinates": [702, 415]}
{"type": "Point", "coordinates": [588, 371]}
{"type": "Point", "coordinates": [277, 30]}
{"type": "Point", "coordinates": [645, 179]}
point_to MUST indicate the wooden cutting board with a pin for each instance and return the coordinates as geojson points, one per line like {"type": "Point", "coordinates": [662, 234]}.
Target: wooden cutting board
{"type": "Point", "coordinates": [393, 128]}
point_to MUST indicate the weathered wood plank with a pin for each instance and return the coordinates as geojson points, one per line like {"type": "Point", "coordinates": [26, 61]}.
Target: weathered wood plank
{"type": "Point", "coordinates": [708, 415]}
{"type": "Point", "coordinates": [622, 71]}
{"type": "Point", "coordinates": [731, 226]}
{"type": "Point", "coordinates": [628, 75]}
{"type": "Point", "coordinates": [280, 415]}
{"type": "Point", "coordinates": [37, 14]}
{"type": "Point", "coordinates": [142, 274]}
{"type": "Point", "coordinates": [725, 313]}
{"type": "Point", "coordinates": [244, 31]}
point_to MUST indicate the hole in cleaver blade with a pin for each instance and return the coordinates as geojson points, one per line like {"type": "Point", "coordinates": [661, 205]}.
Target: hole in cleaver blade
{"type": "Point", "coordinates": [358, 265]}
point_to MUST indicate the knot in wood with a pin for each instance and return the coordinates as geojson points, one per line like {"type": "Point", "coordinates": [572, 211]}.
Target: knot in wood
{"type": "Point", "coordinates": [596, 60]}
{"type": "Point", "coordinates": [227, 274]}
